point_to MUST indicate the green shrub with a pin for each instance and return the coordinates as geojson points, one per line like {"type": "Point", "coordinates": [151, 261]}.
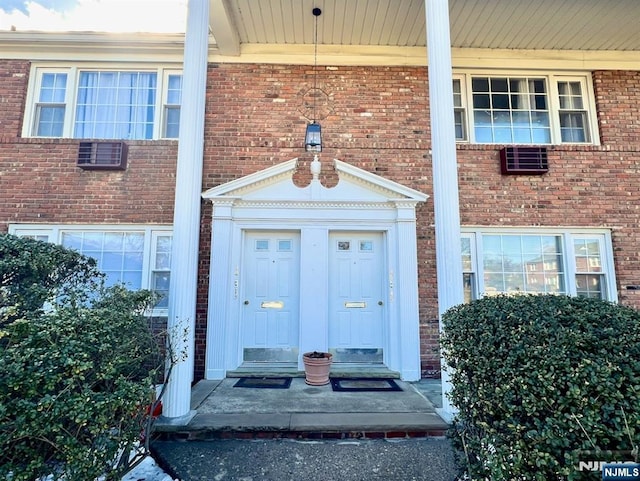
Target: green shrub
{"type": "Point", "coordinates": [76, 378]}
{"type": "Point", "coordinates": [33, 273]}
{"type": "Point", "coordinates": [541, 380]}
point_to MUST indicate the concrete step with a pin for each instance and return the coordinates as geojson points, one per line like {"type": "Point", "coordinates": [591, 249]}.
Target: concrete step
{"type": "Point", "coordinates": [337, 370]}
{"type": "Point", "coordinates": [304, 412]}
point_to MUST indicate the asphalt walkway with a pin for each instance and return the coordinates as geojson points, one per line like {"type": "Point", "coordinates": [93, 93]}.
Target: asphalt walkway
{"type": "Point", "coordinates": [308, 433]}
{"type": "Point", "coordinates": [424, 459]}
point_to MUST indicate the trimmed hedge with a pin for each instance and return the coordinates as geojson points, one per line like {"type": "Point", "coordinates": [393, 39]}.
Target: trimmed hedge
{"type": "Point", "coordinates": [33, 273]}
{"type": "Point", "coordinates": [541, 383]}
{"type": "Point", "coordinates": [77, 377]}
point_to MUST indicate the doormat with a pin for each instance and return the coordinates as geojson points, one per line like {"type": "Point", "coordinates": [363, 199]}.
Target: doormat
{"type": "Point", "coordinates": [362, 384]}
{"type": "Point", "coordinates": [264, 382]}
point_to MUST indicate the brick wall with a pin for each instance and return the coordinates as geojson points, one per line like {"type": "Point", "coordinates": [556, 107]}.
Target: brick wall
{"type": "Point", "coordinates": [374, 118]}
{"type": "Point", "coordinates": [13, 80]}
{"type": "Point", "coordinates": [40, 182]}
{"type": "Point", "coordinates": [617, 93]}
{"type": "Point", "coordinates": [377, 119]}
{"type": "Point", "coordinates": [46, 186]}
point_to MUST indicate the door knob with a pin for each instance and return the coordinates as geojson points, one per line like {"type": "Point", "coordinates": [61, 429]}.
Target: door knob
{"type": "Point", "coordinates": [380, 303]}
{"type": "Point", "coordinates": [246, 303]}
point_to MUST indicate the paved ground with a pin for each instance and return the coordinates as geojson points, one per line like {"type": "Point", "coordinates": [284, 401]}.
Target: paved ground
{"type": "Point", "coordinates": [224, 411]}
{"type": "Point", "coordinates": [223, 398]}
{"type": "Point", "coordinates": [221, 407]}
{"type": "Point", "coordinates": [425, 459]}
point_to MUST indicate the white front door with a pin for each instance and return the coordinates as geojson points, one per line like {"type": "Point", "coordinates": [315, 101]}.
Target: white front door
{"type": "Point", "coordinates": [356, 304]}
{"type": "Point", "coordinates": [270, 310]}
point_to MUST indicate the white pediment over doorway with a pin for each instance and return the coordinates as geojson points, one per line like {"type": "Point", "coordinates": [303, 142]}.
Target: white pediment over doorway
{"type": "Point", "coordinates": [276, 184]}
{"type": "Point", "coordinates": [268, 205]}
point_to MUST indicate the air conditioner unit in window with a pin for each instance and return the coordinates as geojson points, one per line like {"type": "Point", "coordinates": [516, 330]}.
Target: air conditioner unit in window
{"type": "Point", "coordinates": [102, 155]}
{"type": "Point", "coordinates": [524, 160]}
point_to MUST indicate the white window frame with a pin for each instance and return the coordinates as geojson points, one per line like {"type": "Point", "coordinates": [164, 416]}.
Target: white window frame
{"type": "Point", "coordinates": [165, 101]}
{"type": "Point", "coordinates": [552, 79]}
{"type": "Point", "coordinates": [53, 233]}
{"type": "Point", "coordinates": [37, 89]}
{"type": "Point", "coordinates": [29, 127]}
{"type": "Point", "coordinates": [567, 236]}
{"type": "Point", "coordinates": [587, 97]}
{"type": "Point", "coordinates": [153, 267]}
{"type": "Point", "coordinates": [472, 270]}
{"type": "Point", "coordinates": [462, 108]}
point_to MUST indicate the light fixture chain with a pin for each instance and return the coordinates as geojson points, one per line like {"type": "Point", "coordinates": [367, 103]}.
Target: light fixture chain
{"type": "Point", "coordinates": [315, 66]}
{"type": "Point", "coordinates": [313, 136]}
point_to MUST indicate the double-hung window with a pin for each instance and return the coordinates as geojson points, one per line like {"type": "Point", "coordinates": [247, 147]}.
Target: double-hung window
{"type": "Point", "coordinates": [574, 262]}
{"type": "Point", "coordinates": [139, 257]}
{"type": "Point", "coordinates": [50, 108]}
{"type": "Point", "coordinates": [468, 270]}
{"type": "Point", "coordinates": [572, 112]}
{"type": "Point", "coordinates": [172, 106]}
{"type": "Point", "coordinates": [160, 260]}
{"type": "Point", "coordinates": [121, 104]}
{"type": "Point", "coordinates": [514, 108]}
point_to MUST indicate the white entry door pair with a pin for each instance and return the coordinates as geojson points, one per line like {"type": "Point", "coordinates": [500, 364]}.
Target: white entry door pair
{"type": "Point", "coordinates": [270, 324]}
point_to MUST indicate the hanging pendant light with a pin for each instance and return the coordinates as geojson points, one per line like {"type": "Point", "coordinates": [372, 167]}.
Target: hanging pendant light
{"type": "Point", "coordinates": [313, 137]}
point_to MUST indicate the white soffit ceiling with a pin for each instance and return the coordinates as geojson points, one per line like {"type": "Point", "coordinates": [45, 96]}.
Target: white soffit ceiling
{"type": "Point", "coordinates": [494, 24]}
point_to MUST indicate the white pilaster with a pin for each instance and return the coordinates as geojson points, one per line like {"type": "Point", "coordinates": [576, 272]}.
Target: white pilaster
{"type": "Point", "coordinates": [406, 292]}
{"type": "Point", "coordinates": [224, 275]}
{"type": "Point", "coordinates": [445, 171]}
{"type": "Point", "coordinates": [186, 216]}
{"type": "Point", "coordinates": [314, 290]}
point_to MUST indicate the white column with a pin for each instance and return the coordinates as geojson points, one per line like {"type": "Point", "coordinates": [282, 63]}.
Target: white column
{"type": "Point", "coordinates": [445, 170]}
{"type": "Point", "coordinates": [186, 215]}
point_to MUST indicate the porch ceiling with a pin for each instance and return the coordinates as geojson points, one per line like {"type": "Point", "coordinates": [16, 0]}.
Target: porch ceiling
{"type": "Point", "coordinates": [495, 24]}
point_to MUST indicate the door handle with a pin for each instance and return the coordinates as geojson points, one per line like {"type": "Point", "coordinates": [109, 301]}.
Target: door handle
{"type": "Point", "coordinates": [380, 303]}
{"type": "Point", "coordinates": [246, 303]}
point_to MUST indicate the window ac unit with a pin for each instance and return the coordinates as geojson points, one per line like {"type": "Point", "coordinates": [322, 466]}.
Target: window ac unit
{"type": "Point", "coordinates": [102, 155]}
{"type": "Point", "coordinates": [524, 160]}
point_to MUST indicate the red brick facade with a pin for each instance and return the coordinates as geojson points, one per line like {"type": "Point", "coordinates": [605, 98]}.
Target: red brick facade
{"type": "Point", "coordinates": [377, 118]}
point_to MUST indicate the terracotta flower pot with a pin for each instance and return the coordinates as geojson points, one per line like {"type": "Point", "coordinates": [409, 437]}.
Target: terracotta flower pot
{"type": "Point", "coordinates": [317, 366]}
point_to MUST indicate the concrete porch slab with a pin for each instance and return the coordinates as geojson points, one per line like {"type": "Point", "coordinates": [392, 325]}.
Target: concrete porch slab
{"type": "Point", "coordinates": [308, 411]}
